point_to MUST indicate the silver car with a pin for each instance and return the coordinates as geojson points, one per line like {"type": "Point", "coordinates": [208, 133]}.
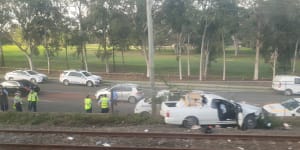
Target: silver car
{"type": "Point", "coordinates": [68, 77]}
{"type": "Point", "coordinates": [125, 92]}
{"type": "Point", "coordinates": [29, 75]}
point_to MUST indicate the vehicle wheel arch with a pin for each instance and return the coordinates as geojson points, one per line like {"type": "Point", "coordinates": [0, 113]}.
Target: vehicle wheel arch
{"type": "Point", "coordinates": [189, 121]}
{"type": "Point", "coordinates": [132, 99]}
{"type": "Point", "coordinates": [66, 82]}
{"type": "Point", "coordinates": [33, 80]}
{"type": "Point", "coordinates": [288, 92]}
{"type": "Point", "coordinates": [89, 83]}
{"type": "Point", "coordinates": [246, 124]}
{"type": "Point", "coordinates": [145, 114]}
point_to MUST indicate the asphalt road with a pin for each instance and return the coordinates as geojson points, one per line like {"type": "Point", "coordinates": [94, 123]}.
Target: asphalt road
{"type": "Point", "coordinates": [55, 97]}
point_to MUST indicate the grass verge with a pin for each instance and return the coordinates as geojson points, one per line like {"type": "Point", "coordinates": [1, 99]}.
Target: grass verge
{"type": "Point", "coordinates": [74, 119]}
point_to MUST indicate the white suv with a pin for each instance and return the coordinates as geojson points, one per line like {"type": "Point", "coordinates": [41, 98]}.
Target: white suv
{"type": "Point", "coordinates": [79, 77]}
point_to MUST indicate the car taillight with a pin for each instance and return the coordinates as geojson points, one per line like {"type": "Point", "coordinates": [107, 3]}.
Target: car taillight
{"type": "Point", "coordinates": [167, 114]}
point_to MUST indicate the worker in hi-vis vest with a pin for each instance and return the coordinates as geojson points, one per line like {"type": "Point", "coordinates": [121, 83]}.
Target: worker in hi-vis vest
{"type": "Point", "coordinates": [32, 100]}
{"type": "Point", "coordinates": [104, 103]}
{"type": "Point", "coordinates": [88, 104]}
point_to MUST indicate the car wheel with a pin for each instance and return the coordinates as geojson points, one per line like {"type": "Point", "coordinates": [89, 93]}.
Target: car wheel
{"type": "Point", "coordinates": [249, 122]}
{"type": "Point", "coordinates": [288, 92]}
{"type": "Point", "coordinates": [145, 114]}
{"type": "Point", "coordinates": [33, 80]}
{"type": "Point", "coordinates": [10, 78]}
{"type": "Point", "coordinates": [89, 84]}
{"type": "Point", "coordinates": [66, 82]}
{"type": "Point", "coordinates": [189, 122]}
{"type": "Point", "coordinates": [132, 100]}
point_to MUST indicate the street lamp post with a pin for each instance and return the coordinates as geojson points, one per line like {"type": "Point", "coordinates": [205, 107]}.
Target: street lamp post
{"type": "Point", "coordinates": [151, 53]}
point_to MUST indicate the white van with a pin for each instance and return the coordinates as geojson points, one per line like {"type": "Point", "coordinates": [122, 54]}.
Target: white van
{"type": "Point", "coordinates": [288, 84]}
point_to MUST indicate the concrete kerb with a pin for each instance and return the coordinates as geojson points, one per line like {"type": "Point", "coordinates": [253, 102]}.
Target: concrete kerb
{"type": "Point", "coordinates": [190, 85]}
{"type": "Point", "coordinates": [258, 85]}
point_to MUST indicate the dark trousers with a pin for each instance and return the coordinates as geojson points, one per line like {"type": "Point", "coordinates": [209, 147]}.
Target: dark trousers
{"type": "Point", "coordinates": [4, 107]}
{"type": "Point", "coordinates": [104, 110]}
{"type": "Point", "coordinates": [18, 107]}
{"type": "Point", "coordinates": [32, 106]}
{"type": "Point", "coordinates": [88, 110]}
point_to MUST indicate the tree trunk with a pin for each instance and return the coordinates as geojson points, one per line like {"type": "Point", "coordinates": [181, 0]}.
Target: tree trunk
{"type": "Point", "coordinates": [2, 63]}
{"type": "Point", "coordinates": [224, 57]}
{"type": "Point", "coordinates": [188, 56]}
{"type": "Point", "coordinates": [114, 62]}
{"type": "Point", "coordinates": [144, 49]}
{"type": "Point", "coordinates": [123, 56]}
{"type": "Point", "coordinates": [275, 55]}
{"type": "Point", "coordinates": [179, 55]}
{"type": "Point", "coordinates": [206, 60]}
{"type": "Point", "coordinates": [66, 57]}
{"type": "Point", "coordinates": [202, 47]}
{"type": "Point", "coordinates": [106, 55]}
{"type": "Point", "coordinates": [84, 53]}
{"type": "Point", "coordinates": [236, 45]}
{"type": "Point", "coordinates": [295, 56]}
{"type": "Point", "coordinates": [258, 45]}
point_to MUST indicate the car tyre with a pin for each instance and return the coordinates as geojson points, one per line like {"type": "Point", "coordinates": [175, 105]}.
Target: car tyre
{"type": "Point", "coordinates": [89, 84]}
{"type": "Point", "coordinates": [10, 78]}
{"type": "Point", "coordinates": [189, 122]}
{"type": "Point", "coordinates": [132, 100]}
{"type": "Point", "coordinates": [66, 82]}
{"type": "Point", "coordinates": [145, 114]}
{"type": "Point", "coordinates": [33, 80]}
{"type": "Point", "coordinates": [288, 92]}
{"type": "Point", "coordinates": [249, 122]}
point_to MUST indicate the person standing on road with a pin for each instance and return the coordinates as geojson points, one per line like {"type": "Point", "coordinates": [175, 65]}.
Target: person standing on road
{"type": "Point", "coordinates": [88, 104]}
{"type": "Point", "coordinates": [3, 99]}
{"type": "Point", "coordinates": [104, 103]}
{"type": "Point", "coordinates": [113, 99]}
{"type": "Point", "coordinates": [18, 102]}
{"type": "Point", "coordinates": [32, 100]}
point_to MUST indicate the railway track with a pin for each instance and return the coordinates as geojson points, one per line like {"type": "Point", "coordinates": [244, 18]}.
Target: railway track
{"type": "Point", "coordinates": [192, 140]}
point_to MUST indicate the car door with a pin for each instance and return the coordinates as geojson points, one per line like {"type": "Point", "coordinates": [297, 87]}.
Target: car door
{"type": "Point", "coordinates": [126, 92]}
{"type": "Point", "coordinates": [208, 114]}
{"type": "Point", "coordinates": [19, 75]}
{"type": "Point", "coordinates": [75, 78]}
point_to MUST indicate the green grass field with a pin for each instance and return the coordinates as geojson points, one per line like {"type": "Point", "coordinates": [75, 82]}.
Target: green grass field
{"type": "Point", "coordinates": [240, 67]}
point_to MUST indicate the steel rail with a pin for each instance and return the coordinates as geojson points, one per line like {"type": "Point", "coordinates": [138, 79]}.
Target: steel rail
{"type": "Point", "coordinates": [162, 135]}
{"type": "Point", "coordinates": [78, 147]}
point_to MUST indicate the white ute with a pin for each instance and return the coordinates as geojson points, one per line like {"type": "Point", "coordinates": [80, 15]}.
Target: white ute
{"type": "Point", "coordinates": [210, 109]}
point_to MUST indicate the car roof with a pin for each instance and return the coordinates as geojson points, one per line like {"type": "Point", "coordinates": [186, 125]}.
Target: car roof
{"type": "Point", "coordinates": [126, 84]}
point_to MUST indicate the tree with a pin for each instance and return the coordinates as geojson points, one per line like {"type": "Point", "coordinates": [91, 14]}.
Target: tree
{"type": "Point", "coordinates": [5, 22]}
{"type": "Point", "coordinates": [27, 32]}
{"type": "Point", "coordinates": [175, 16]}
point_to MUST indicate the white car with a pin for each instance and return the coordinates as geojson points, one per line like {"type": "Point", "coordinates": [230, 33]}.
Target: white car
{"type": "Point", "coordinates": [125, 92]}
{"type": "Point", "coordinates": [29, 75]}
{"type": "Point", "coordinates": [68, 77]}
{"type": "Point", "coordinates": [290, 107]}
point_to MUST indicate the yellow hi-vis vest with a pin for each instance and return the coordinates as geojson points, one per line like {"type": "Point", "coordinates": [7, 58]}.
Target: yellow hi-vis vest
{"type": "Point", "coordinates": [104, 102]}
{"type": "Point", "coordinates": [87, 103]}
{"type": "Point", "coordinates": [33, 97]}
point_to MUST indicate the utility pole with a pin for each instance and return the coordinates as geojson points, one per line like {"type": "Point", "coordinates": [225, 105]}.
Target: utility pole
{"type": "Point", "coordinates": [151, 53]}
